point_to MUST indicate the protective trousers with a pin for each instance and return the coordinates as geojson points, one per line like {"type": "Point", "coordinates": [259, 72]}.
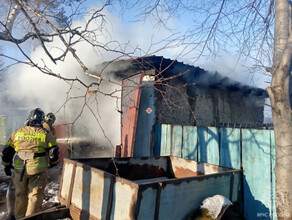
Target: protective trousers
{"type": "Point", "coordinates": [29, 193]}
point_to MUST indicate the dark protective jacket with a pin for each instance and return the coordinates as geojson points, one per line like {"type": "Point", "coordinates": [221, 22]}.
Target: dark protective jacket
{"type": "Point", "coordinates": [32, 146]}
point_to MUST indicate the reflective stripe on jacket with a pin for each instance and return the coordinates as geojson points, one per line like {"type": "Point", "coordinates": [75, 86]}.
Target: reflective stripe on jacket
{"type": "Point", "coordinates": [32, 140]}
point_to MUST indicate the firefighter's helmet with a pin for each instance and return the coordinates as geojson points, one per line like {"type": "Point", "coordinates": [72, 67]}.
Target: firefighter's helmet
{"type": "Point", "coordinates": [35, 117]}
{"type": "Point", "coordinates": [50, 118]}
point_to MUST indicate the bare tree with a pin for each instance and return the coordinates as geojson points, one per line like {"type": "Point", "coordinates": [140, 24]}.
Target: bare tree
{"type": "Point", "coordinates": [42, 23]}
{"type": "Point", "coordinates": [259, 30]}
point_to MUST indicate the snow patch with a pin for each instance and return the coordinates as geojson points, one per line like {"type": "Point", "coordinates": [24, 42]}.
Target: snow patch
{"type": "Point", "coordinates": [4, 186]}
{"type": "Point", "coordinates": [2, 214]}
{"type": "Point", "coordinates": [215, 204]}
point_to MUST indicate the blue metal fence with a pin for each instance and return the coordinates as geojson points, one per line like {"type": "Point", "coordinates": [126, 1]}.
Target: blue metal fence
{"type": "Point", "coordinates": [252, 150]}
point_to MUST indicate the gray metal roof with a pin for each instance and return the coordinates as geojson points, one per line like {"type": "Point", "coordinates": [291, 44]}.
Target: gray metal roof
{"type": "Point", "coordinates": [166, 68]}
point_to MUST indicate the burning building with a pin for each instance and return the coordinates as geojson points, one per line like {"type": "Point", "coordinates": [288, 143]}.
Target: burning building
{"type": "Point", "coordinates": [163, 91]}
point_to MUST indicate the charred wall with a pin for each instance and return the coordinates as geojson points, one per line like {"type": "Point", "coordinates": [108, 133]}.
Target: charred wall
{"type": "Point", "coordinates": [177, 103]}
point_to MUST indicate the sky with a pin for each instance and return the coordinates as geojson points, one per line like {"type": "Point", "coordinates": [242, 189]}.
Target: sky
{"type": "Point", "coordinates": [26, 86]}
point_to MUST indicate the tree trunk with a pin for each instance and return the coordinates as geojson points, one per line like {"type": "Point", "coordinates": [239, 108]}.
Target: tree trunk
{"type": "Point", "coordinates": [283, 141]}
{"type": "Point", "coordinates": [281, 107]}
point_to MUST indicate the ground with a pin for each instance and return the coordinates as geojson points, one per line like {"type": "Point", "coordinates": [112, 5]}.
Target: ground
{"type": "Point", "coordinates": [51, 192]}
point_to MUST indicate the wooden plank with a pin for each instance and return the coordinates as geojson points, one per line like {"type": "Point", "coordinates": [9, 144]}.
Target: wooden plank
{"type": "Point", "coordinates": [165, 149]}
{"type": "Point", "coordinates": [256, 162]}
{"type": "Point", "coordinates": [162, 140]}
{"type": "Point", "coordinates": [176, 140]}
{"type": "Point", "coordinates": [273, 161]}
{"type": "Point", "coordinates": [230, 149]}
{"type": "Point", "coordinates": [190, 143]}
{"type": "Point", "coordinates": [208, 145]}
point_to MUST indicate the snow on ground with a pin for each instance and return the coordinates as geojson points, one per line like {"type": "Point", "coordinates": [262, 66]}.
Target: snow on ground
{"type": "Point", "coordinates": [215, 204]}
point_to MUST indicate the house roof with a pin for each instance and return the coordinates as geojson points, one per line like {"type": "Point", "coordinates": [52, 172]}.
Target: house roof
{"type": "Point", "coordinates": [166, 68]}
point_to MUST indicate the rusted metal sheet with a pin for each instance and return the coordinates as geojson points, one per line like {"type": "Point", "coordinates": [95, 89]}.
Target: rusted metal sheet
{"type": "Point", "coordinates": [90, 192]}
{"type": "Point", "coordinates": [68, 175]}
{"type": "Point", "coordinates": [188, 168]}
{"type": "Point", "coordinates": [124, 200]}
{"type": "Point", "coordinates": [153, 187]}
{"type": "Point", "coordinates": [131, 92]}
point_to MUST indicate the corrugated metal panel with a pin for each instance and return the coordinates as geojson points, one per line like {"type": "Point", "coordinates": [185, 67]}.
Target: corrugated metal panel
{"type": "Point", "coordinates": [230, 149]}
{"type": "Point", "coordinates": [190, 143]}
{"type": "Point", "coordinates": [208, 145]}
{"type": "Point", "coordinates": [256, 162]}
{"type": "Point", "coordinates": [130, 105]}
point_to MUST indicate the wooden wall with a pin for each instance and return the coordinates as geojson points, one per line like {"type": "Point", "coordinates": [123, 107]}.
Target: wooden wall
{"type": "Point", "coordinates": [252, 150]}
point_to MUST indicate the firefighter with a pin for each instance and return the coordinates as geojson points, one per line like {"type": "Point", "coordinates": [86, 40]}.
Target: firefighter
{"type": "Point", "coordinates": [48, 122]}
{"type": "Point", "coordinates": [30, 149]}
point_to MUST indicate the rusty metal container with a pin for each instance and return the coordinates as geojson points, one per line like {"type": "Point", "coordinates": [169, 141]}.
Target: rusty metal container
{"type": "Point", "coordinates": [164, 187]}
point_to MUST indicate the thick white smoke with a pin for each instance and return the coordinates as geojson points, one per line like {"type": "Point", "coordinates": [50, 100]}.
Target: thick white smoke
{"type": "Point", "coordinates": [94, 114]}
{"type": "Point", "coordinates": [30, 88]}
{"type": "Point", "coordinates": [71, 102]}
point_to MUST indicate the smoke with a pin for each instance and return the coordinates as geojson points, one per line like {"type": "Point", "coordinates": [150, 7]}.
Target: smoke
{"type": "Point", "coordinates": [94, 114]}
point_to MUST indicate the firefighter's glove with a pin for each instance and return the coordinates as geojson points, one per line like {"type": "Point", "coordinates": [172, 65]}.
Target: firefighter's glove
{"type": "Point", "coordinates": [54, 155]}
{"type": "Point", "coordinates": [7, 170]}
{"type": "Point", "coordinates": [52, 165]}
